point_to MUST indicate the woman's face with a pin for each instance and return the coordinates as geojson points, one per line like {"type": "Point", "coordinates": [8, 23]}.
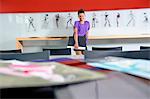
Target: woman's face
{"type": "Point", "coordinates": [81, 16]}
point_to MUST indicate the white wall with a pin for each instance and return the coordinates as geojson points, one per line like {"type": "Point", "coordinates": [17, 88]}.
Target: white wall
{"type": "Point", "coordinates": [9, 30]}
{"type": "Point", "coordinates": [16, 25]}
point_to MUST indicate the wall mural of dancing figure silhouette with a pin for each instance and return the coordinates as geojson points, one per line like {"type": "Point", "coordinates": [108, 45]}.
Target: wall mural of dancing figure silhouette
{"type": "Point", "coordinates": [131, 19]}
{"type": "Point", "coordinates": [69, 20]}
{"type": "Point", "coordinates": [94, 20]}
{"type": "Point", "coordinates": [57, 17]}
{"type": "Point", "coordinates": [107, 20]}
{"type": "Point", "coordinates": [45, 21]}
{"type": "Point", "coordinates": [146, 20]}
{"type": "Point", "coordinates": [117, 19]}
{"type": "Point", "coordinates": [31, 20]}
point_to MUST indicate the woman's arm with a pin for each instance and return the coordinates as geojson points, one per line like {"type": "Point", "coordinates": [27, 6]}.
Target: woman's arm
{"type": "Point", "coordinates": [87, 33]}
{"type": "Point", "coordinates": [76, 45]}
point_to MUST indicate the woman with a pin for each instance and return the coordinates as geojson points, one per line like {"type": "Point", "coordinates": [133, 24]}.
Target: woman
{"type": "Point", "coordinates": [81, 30]}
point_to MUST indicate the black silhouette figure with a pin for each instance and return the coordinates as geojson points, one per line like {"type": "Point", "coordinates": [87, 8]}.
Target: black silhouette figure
{"type": "Point", "coordinates": [94, 20]}
{"type": "Point", "coordinates": [132, 19]}
{"type": "Point", "coordinates": [31, 24]}
{"type": "Point", "coordinates": [57, 20]}
{"type": "Point", "coordinates": [46, 18]}
{"type": "Point", "coordinates": [107, 21]}
{"type": "Point", "coordinates": [69, 20]}
{"type": "Point", "coordinates": [117, 19]}
{"type": "Point", "coordinates": [146, 20]}
{"type": "Point", "coordinates": [46, 22]}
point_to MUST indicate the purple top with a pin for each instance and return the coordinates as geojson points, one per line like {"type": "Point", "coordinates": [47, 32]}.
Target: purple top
{"type": "Point", "coordinates": [82, 28]}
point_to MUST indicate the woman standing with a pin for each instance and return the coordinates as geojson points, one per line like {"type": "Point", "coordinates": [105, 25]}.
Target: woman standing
{"type": "Point", "coordinates": [81, 30]}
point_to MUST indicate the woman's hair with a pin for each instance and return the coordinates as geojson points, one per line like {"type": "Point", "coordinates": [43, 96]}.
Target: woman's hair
{"type": "Point", "coordinates": [81, 11]}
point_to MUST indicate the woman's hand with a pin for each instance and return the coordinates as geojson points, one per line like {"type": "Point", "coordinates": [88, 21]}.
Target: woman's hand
{"type": "Point", "coordinates": [76, 45]}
